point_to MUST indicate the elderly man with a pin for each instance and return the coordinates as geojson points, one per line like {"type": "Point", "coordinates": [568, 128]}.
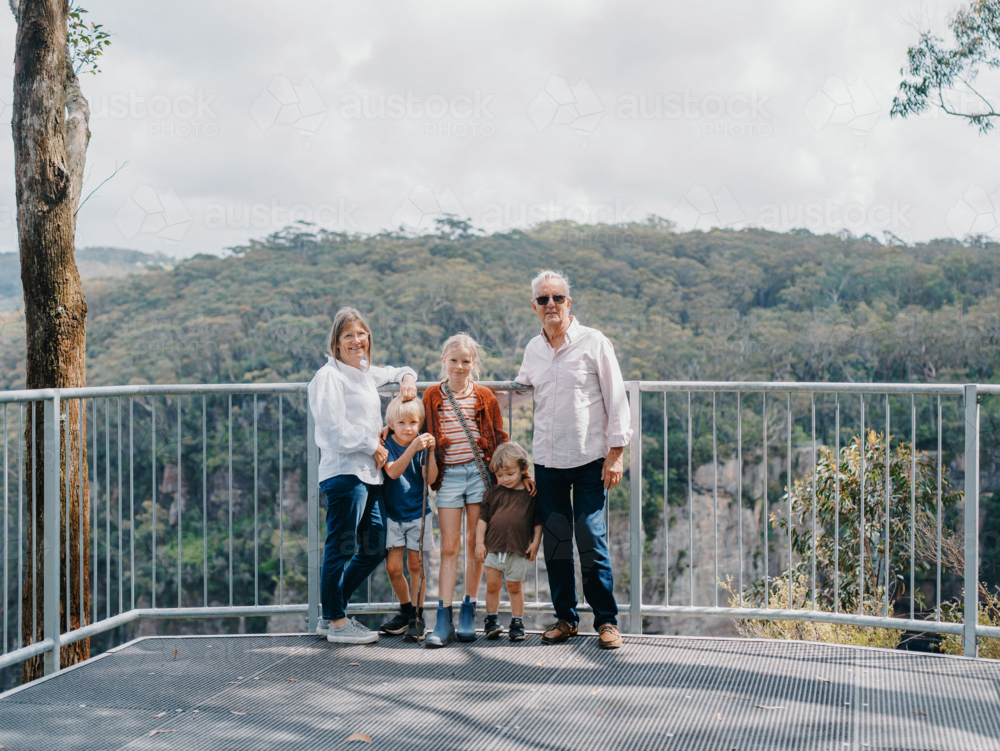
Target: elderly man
{"type": "Point", "coordinates": [581, 429]}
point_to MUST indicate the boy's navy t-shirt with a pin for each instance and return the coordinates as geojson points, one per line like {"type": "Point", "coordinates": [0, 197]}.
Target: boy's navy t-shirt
{"type": "Point", "coordinates": [404, 496]}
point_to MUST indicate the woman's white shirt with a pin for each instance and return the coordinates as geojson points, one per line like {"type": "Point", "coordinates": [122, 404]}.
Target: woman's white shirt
{"type": "Point", "coordinates": [348, 413]}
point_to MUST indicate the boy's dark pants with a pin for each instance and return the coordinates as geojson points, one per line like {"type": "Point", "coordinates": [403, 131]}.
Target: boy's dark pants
{"type": "Point", "coordinates": [582, 517]}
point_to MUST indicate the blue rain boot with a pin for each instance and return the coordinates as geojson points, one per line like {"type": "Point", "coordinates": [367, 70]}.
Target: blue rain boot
{"type": "Point", "coordinates": [444, 630]}
{"type": "Point", "coordinates": [467, 620]}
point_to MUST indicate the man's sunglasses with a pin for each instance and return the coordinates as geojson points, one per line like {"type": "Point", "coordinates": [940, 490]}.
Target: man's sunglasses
{"type": "Point", "coordinates": [543, 300]}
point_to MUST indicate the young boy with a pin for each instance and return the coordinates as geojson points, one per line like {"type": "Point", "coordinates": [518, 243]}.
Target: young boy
{"type": "Point", "coordinates": [507, 537]}
{"type": "Point", "coordinates": [404, 496]}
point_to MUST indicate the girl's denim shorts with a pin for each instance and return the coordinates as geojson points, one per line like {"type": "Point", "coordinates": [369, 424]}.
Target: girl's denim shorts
{"type": "Point", "coordinates": [461, 484]}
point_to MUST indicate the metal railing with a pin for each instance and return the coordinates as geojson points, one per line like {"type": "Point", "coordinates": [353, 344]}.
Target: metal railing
{"type": "Point", "coordinates": [244, 531]}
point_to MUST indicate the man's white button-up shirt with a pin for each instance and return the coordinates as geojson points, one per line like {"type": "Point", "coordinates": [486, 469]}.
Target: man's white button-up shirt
{"type": "Point", "coordinates": [581, 406]}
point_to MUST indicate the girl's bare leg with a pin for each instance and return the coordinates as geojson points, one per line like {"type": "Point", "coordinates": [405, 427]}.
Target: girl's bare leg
{"type": "Point", "coordinates": [473, 568]}
{"type": "Point", "coordinates": [450, 520]}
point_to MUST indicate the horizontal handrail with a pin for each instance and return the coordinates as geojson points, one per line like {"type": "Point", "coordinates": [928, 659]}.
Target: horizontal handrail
{"type": "Point", "coordinates": [799, 387]}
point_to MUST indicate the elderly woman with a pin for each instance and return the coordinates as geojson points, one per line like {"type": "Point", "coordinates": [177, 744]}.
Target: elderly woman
{"type": "Point", "coordinates": [345, 405]}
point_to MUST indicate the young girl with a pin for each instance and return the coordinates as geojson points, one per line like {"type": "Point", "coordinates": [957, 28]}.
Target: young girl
{"type": "Point", "coordinates": [461, 484]}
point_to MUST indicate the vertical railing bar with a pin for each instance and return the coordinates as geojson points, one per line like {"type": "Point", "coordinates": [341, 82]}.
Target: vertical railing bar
{"type": "Point", "coordinates": [6, 522]}
{"type": "Point", "coordinates": [256, 601]}
{"type": "Point", "coordinates": [836, 506]}
{"type": "Point", "coordinates": [666, 502]}
{"type": "Point", "coordinates": [888, 509]}
{"type": "Point", "coordinates": [52, 554]}
{"type": "Point", "coordinates": [510, 414]}
{"type": "Point", "coordinates": [281, 503]}
{"type": "Point", "coordinates": [861, 527]}
{"type": "Point", "coordinates": [82, 441]}
{"type": "Point", "coordinates": [313, 567]}
{"type": "Point", "coordinates": [131, 496]}
{"type": "Point", "coordinates": [971, 536]}
{"type": "Point", "coordinates": [20, 524]}
{"type": "Point", "coordinates": [230, 500]}
{"type": "Point", "coordinates": [95, 506]}
{"type": "Point", "coordinates": [767, 542]}
{"type": "Point", "coordinates": [152, 406]}
{"type": "Point", "coordinates": [121, 576]}
{"type": "Point", "coordinates": [180, 502]}
{"type": "Point", "coordinates": [814, 459]}
{"type": "Point", "coordinates": [788, 410]}
{"type": "Point", "coordinates": [739, 481]}
{"type": "Point", "coordinates": [690, 510]}
{"type": "Point", "coordinates": [635, 510]}
{"type": "Point", "coordinates": [913, 500]}
{"type": "Point", "coordinates": [34, 522]}
{"type": "Point", "coordinates": [204, 498]}
{"type": "Point", "coordinates": [715, 499]}
{"type": "Point", "coordinates": [107, 512]}
{"type": "Point", "coordinates": [64, 460]}
{"type": "Point", "coordinates": [937, 609]}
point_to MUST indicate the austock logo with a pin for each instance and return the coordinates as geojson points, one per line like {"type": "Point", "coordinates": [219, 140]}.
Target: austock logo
{"type": "Point", "coordinates": [422, 208]}
{"type": "Point", "coordinates": [976, 213]}
{"type": "Point", "coordinates": [701, 209]}
{"type": "Point", "coordinates": [282, 103]}
{"type": "Point", "coordinates": [146, 212]}
{"type": "Point", "coordinates": [559, 103]}
{"type": "Point", "coordinates": [837, 103]}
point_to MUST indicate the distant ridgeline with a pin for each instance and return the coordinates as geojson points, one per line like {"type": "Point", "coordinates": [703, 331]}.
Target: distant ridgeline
{"type": "Point", "coordinates": [724, 305]}
{"type": "Point", "coordinates": [92, 262]}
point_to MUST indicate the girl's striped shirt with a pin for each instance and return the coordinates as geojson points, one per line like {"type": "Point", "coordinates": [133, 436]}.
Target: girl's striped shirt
{"type": "Point", "coordinates": [459, 451]}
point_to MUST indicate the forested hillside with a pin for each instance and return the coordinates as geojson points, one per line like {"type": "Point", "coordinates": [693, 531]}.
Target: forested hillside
{"type": "Point", "coordinates": [717, 305]}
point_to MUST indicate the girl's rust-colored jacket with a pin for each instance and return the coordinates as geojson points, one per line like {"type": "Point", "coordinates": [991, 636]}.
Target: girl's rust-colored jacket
{"type": "Point", "coordinates": [489, 420]}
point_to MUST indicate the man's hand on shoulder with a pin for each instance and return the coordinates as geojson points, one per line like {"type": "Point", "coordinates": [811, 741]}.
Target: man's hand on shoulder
{"type": "Point", "coordinates": [614, 467]}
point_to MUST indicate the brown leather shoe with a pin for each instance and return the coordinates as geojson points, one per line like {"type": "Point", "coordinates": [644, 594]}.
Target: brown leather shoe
{"type": "Point", "coordinates": [608, 636]}
{"type": "Point", "coordinates": [559, 632]}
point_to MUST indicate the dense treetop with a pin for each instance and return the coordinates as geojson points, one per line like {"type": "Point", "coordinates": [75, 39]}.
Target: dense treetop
{"type": "Point", "coordinates": [747, 304]}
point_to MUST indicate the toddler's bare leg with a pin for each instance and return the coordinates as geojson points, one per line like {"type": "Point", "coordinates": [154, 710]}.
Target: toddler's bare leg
{"type": "Point", "coordinates": [516, 599]}
{"type": "Point", "coordinates": [494, 580]}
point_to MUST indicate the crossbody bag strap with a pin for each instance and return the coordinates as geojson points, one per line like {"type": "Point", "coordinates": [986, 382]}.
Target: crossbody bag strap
{"type": "Point", "coordinates": [480, 464]}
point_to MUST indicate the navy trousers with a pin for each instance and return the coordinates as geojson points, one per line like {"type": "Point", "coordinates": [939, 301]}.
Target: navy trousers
{"type": "Point", "coordinates": [355, 540]}
{"type": "Point", "coordinates": [572, 505]}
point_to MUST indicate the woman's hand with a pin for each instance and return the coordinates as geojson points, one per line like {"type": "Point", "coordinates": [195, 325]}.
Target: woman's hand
{"type": "Point", "coordinates": [480, 552]}
{"type": "Point", "coordinates": [380, 455]}
{"type": "Point", "coordinates": [408, 388]}
{"type": "Point", "coordinates": [383, 434]}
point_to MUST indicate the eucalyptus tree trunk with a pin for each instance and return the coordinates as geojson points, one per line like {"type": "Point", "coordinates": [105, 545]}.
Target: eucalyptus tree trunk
{"type": "Point", "coordinates": [50, 128]}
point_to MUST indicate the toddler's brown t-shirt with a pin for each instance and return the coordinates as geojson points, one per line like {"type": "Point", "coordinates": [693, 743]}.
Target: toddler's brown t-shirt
{"type": "Point", "coordinates": [510, 516]}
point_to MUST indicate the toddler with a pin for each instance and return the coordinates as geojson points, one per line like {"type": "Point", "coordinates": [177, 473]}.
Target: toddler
{"type": "Point", "coordinates": [507, 537]}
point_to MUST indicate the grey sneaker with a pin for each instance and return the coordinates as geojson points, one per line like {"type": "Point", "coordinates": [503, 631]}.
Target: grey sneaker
{"type": "Point", "coordinates": [351, 632]}
{"type": "Point", "coordinates": [322, 627]}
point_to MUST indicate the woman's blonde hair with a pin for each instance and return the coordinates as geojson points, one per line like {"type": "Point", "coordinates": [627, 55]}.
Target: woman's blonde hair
{"type": "Point", "coordinates": [344, 318]}
{"type": "Point", "coordinates": [400, 410]}
{"type": "Point", "coordinates": [509, 453]}
{"type": "Point", "coordinates": [462, 340]}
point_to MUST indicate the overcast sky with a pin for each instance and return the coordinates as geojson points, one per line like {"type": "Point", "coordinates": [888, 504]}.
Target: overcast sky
{"type": "Point", "coordinates": [361, 116]}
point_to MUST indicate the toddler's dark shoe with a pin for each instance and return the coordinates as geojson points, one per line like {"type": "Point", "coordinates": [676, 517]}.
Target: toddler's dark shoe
{"type": "Point", "coordinates": [516, 630]}
{"type": "Point", "coordinates": [492, 627]}
{"type": "Point", "coordinates": [415, 630]}
{"type": "Point", "coordinates": [396, 625]}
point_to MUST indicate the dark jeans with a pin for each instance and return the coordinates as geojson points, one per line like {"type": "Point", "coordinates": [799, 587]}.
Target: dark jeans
{"type": "Point", "coordinates": [582, 517]}
{"type": "Point", "coordinates": [355, 540]}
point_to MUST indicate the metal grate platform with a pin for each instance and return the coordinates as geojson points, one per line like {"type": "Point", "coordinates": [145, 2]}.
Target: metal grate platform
{"type": "Point", "coordinates": [298, 692]}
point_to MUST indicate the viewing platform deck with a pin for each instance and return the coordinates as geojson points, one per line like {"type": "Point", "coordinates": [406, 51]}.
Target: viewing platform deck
{"type": "Point", "coordinates": [298, 692]}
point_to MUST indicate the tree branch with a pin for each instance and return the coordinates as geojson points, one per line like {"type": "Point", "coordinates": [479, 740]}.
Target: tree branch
{"type": "Point", "coordinates": [91, 193]}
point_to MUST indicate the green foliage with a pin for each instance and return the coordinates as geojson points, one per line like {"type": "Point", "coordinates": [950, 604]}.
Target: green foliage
{"type": "Point", "coordinates": [86, 41]}
{"type": "Point", "coordinates": [838, 520]}
{"type": "Point", "coordinates": [801, 593]}
{"type": "Point", "coordinates": [936, 70]}
{"type": "Point", "coordinates": [989, 615]}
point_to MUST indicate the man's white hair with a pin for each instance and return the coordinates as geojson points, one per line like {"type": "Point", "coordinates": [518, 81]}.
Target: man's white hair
{"type": "Point", "coordinates": [544, 276]}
